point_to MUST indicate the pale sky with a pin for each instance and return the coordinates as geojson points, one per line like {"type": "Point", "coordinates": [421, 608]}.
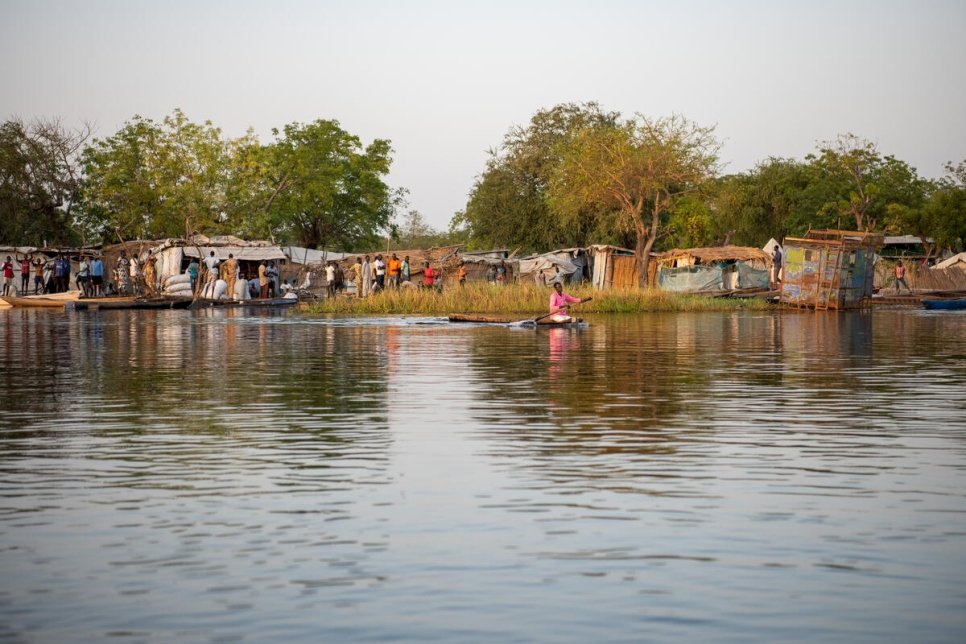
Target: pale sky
{"type": "Point", "coordinates": [444, 81]}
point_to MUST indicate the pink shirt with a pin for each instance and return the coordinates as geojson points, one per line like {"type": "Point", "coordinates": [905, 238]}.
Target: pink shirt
{"type": "Point", "coordinates": [559, 299]}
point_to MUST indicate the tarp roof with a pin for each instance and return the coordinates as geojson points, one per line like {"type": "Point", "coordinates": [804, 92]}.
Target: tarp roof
{"type": "Point", "coordinates": [242, 253]}
{"type": "Point", "coordinates": [300, 255]}
{"type": "Point", "coordinates": [904, 240]}
{"type": "Point", "coordinates": [545, 261]}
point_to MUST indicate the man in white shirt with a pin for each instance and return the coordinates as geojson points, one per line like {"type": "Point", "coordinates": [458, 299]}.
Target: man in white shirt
{"type": "Point", "coordinates": [330, 279]}
{"type": "Point", "coordinates": [211, 263]}
{"type": "Point", "coordinates": [380, 267]}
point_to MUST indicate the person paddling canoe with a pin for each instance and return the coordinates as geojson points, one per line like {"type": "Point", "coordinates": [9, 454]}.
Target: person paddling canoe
{"type": "Point", "coordinates": [559, 301]}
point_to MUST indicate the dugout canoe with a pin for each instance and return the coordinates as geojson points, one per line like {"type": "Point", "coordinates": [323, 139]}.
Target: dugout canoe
{"type": "Point", "coordinates": [491, 319]}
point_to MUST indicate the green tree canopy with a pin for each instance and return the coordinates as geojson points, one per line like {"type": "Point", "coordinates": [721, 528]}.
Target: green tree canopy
{"type": "Point", "coordinates": [864, 181]}
{"type": "Point", "coordinates": [153, 180]}
{"type": "Point", "coordinates": [508, 205]}
{"type": "Point", "coordinates": [40, 181]}
{"type": "Point", "coordinates": [315, 184]}
{"type": "Point", "coordinates": [634, 173]}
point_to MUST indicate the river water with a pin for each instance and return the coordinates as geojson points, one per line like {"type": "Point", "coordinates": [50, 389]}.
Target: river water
{"type": "Point", "coordinates": [237, 475]}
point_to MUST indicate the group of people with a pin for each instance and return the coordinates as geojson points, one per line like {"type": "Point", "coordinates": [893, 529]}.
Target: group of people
{"type": "Point", "coordinates": [374, 274]}
{"type": "Point", "coordinates": [132, 276]}
{"type": "Point", "coordinates": [497, 273]}
{"type": "Point", "coordinates": [262, 283]}
{"type": "Point", "coordinates": [51, 276]}
{"type": "Point", "coordinates": [371, 274]}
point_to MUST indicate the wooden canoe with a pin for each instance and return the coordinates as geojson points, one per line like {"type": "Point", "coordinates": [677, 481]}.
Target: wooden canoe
{"type": "Point", "coordinates": [36, 302]}
{"type": "Point", "coordinates": [491, 319]}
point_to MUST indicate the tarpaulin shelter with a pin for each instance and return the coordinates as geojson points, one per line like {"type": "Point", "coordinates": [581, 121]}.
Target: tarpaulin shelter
{"type": "Point", "coordinates": [719, 268]}
{"type": "Point", "coordinates": [570, 261]}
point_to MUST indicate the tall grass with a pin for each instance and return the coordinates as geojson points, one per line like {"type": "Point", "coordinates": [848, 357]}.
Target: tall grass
{"type": "Point", "coordinates": [521, 299]}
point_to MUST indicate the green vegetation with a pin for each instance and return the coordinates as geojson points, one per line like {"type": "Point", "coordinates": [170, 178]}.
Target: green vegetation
{"type": "Point", "coordinates": [523, 300]}
{"type": "Point", "coordinates": [40, 182]}
{"type": "Point", "coordinates": [578, 175]}
{"type": "Point", "coordinates": [575, 175]}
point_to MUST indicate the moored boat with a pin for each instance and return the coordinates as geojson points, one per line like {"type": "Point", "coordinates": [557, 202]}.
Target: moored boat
{"type": "Point", "coordinates": [945, 304]}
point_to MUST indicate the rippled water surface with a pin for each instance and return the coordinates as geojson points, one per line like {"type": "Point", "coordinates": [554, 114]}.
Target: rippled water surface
{"type": "Point", "coordinates": [264, 477]}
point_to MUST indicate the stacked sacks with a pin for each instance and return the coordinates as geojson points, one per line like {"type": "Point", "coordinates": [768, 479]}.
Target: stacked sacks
{"type": "Point", "coordinates": [215, 290]}
{"type": "Point", "coordinates": [178, 286]}
{"type": "Point", "coordinates": [241, 290]}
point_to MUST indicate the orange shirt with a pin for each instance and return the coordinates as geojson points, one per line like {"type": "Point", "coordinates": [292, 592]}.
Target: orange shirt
{"type": "Point", "coordinates": [392, 266]}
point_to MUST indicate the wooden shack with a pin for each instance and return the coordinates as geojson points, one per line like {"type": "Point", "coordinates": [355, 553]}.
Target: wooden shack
{"type": "Point", "coordinates": [829, 269]}
{"type": "Point", "coordinates": [612, 266]}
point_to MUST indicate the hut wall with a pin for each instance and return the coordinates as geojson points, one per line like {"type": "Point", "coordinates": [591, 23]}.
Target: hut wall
{"type": "Point", "coordinates": [623, 271]}
{"type": "Point", "coordinates": [750, 276]}
{"type": "Point", "coordinates": [815, 276]}
{"type": "Point", "coordinates": [690, 279]}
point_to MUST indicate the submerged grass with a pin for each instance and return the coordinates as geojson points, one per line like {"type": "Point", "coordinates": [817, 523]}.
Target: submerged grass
{"type": "Point", "coordinates": [522, 299]}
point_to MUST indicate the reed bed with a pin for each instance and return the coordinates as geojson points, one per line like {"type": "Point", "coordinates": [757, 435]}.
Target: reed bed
{"type": "Point", "coordinates": [521, 299]}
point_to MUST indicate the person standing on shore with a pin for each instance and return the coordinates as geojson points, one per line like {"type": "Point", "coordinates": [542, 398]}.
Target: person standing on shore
{"type": "Point", "coordinates": [151, 273]}
{"type": "Point", "coordinates": [211, 263]}
{"type": "Point", "coordinates": [404, 270]}
{"type": "Point", "coordinates": [461, 274]}
{"type": "Point", "coordinates": [392, 270]}
{"type": "Point", "coordinates": [357, 275]}
{"type": "Point", "coordinates": [776, 261]}
{"type": "Point", "coordinates": [84, 276]}
{"type": "Point", "coordinates": [97, 276]}
{"type": "Point", "coordinates": [122, 273]}
{"type": "Point", "coordinates": [900, 272]}
{"type": "Point", "coordinates": [39, 264]}
{"type": "Point", "coordinates": [330, 279]}
{"type": "Point", "coordinates": [137, 276]}
{"type": "Point", "coordinates": [24, 274]}
{"type": "Point", "coordinates": [380, 268]}
{"type": "Point", "coordinates": [429, 276]}
{"type": "Point", "coordinates": [366, 277]}
{"type": "Point", "coordinates": [230, 272]}
{"type": "Point", "coordinates": [193, 273]}
{"type": "Point", "coordinates": [7, 268]}
{"type": "Point", "coordinates": [262, 281]}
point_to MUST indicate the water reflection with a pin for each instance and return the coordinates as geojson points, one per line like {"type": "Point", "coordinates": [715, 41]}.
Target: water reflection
{"type": "Point", "coordinates": [240, 474]}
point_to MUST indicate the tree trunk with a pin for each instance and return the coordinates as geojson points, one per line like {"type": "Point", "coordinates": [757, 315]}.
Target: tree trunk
{"type": "Point", "coordinates": [642, 248]}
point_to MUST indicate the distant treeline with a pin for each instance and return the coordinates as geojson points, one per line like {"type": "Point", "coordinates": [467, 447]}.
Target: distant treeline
{"type": "Point", "coordinates": [577, 175]}
{"type": "Point", "coordinates": [314, 184]}
{"type": "Point", "coordinates": [573, 176]}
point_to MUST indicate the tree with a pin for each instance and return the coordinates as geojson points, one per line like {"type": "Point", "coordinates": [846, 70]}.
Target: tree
{"type": "Point", "coordinates": [635, 171]}
{"type": "Point", "coordinates": [317, 184]}
{"type": "Point", "coordinates": [154, 180]}
{"type": "Point", "coordinates": [865, 182]}
{"type": "Point", "coordinates": [508, 205]}
{"type": "Point", "coordinates": [942, 216]}
{"type": "Point", "coordinates": [40, 181]}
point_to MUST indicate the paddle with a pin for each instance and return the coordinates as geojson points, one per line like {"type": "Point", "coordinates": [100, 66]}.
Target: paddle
{"type": "Point", "coordinates": [546, 315]}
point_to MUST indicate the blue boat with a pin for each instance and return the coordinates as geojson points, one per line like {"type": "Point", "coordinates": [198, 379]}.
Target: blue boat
{"type": "Point", "coordinates": [947, 304]}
